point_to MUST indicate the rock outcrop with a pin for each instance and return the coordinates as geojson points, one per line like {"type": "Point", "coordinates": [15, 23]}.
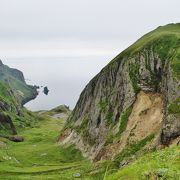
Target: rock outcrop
{"type": "Point", "coordinates": [134, 98]}
{"type": "Point", "coordinates": [46, 90]}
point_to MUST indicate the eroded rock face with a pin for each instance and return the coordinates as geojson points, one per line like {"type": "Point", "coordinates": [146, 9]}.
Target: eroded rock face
{"type": "Point", "coordinates": [144, 121]}
{"type": "Point", "coordinates": [146, 117]}
{"type": "Point", "coordinates": [110, 104]}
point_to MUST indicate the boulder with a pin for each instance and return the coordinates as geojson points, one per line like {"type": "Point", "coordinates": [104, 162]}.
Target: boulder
{"type": "Point", "coordinates": [16, 138]}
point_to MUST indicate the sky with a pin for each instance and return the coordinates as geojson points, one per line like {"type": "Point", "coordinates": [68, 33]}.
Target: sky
{"type": "Point", "coordinates": [78, 27]}
{"type": "Point", "coordinates": [80, 30]}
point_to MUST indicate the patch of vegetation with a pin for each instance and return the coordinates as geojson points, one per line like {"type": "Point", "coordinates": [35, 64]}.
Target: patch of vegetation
{"type": "Point", "coordinates": [79, 129]}
{"type": "Point", "coordinates": [7, 98]}
{"type": "Point", "coordinates": [109, 117]}
{"type": "Point", "coordinates": [134, 75]}
{"type": "Point", "coordinates": [123, 124]}
{"type": "Point", "coordinates": [18, 116]}
{"type": "Point", "coordinates": [161, 164]}
{"type": "Point", "coordinates": [83, 131]}
{"type": "Point", "coordinates": [124, 120]}
{"type": "Point", "coordinates": [87, 137]}
{"type": "Point", "coordinates": [174, 107]}
{"type": "Point", "coordinates": [175, 64]}
{"type": "Point", "coordinates": [164, 45]}
{"type": "Point", "coordinates": [103, 104]}
{"type": "Point", "coordinates": [133, 149]}
{"type": "Point", "coordinates": [110, 136]}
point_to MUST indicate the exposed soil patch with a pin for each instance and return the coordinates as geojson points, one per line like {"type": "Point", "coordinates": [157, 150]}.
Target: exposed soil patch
{"type": "Point", "coordinates": [145, 119]}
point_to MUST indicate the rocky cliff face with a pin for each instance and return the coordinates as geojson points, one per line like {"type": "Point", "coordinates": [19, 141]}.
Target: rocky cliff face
{"type": "Point", "coordinates": [134, 99]}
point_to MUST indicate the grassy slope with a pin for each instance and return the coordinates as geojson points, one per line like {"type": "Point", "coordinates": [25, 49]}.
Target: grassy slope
{"type": "Point", "coordinates": [151, 37]}
{"type": "Point", "coordinates": [9, 106]}
{"type": "Point", "coordinates": [164, 163]}
{"type": "Point", "coordinates": [6, 96]}
{"type": "Point", "coordinates": [13, 90]}
{"type": "Point", "coordinates": [166, 43]}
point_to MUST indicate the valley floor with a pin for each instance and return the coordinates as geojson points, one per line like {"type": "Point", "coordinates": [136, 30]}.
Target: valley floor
{"type": "Point", "coordinates": [40, 157]}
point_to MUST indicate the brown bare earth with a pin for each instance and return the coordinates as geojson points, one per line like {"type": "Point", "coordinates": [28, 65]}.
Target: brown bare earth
{"type": "Point", "coordinates": [146, 119]}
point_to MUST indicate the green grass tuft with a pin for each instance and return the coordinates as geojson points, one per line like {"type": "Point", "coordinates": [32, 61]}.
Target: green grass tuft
{"type": "Point", "coordinates": [174, 107]}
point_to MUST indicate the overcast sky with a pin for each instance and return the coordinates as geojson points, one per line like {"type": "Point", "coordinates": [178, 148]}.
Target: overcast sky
{"type": "Point", "coordinates": [78, 27]}
{"type": "Point", "coordinates": [64, 43]}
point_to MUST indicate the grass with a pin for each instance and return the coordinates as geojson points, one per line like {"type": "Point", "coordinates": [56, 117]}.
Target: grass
{"type": "Point", "coordinates": [162, 164]}
{"type": "Point", "coordinates": [103, 104]}
{"type": "Point", "coordinates": [40, 156]}
{"type": "Point", "coordinates": [124, 120]}
{"type": "Point", "coordinates": [84, 132]}
{"type": "Point", "coordinates": [10, 102]}
{"type": "Point", "coordinates": [132, 149]}
{"type": "Point", "coordinates": [7, 98]}
{"type": "Point", "coordinates": [123, 124]}
{"type": "Point", "coordinates": [165, 41]}
{"type": "Point", "coordinates": [174, 107]}
{"type": "Point", "coordinates": [134, 75]}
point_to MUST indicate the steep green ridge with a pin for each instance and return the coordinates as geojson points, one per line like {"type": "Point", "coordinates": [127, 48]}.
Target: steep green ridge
{"type": "Point", "coordinates": [166, 37]}
{"type": "Point", "coordinates": [14, 92]}
{"type": "Point", "coordinates": [149, 68]}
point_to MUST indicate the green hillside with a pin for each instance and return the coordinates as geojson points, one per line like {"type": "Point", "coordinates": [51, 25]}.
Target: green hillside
{"type": "Point", "coordinates": [14, 92]}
